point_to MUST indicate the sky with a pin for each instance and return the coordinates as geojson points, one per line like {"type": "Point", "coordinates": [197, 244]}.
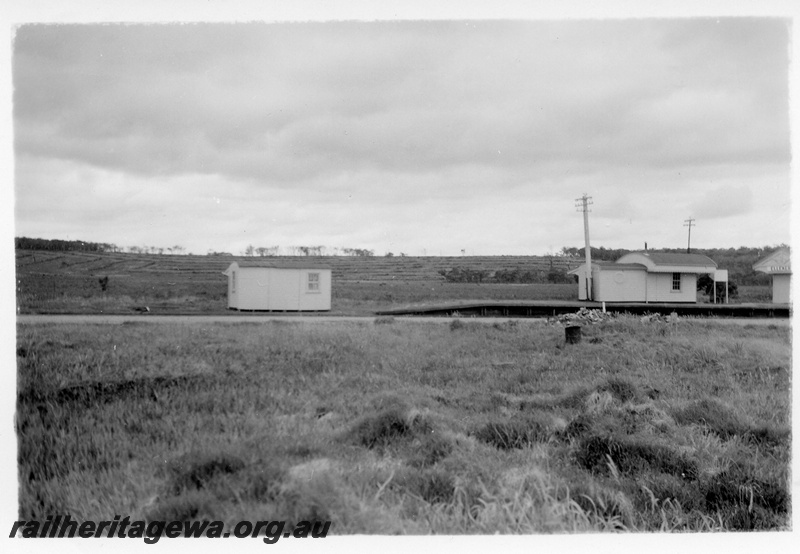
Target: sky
{"type": "Point", "coordinates": [420, 136]}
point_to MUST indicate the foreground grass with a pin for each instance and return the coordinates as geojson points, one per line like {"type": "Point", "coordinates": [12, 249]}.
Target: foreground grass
{"type": "Point", "coordinates": [398, 427]}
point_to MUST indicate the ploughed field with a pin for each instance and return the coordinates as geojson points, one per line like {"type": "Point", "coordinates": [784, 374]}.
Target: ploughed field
{"type": "Point", "coordinates": [394, 426]}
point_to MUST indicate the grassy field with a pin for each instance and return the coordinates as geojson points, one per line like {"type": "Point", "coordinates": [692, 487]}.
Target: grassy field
{"type": "Point", "coordinates": [399, 427]}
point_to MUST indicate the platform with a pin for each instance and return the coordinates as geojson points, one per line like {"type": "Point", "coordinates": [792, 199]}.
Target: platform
{"type": "Point", "coordinates": [546, 308]}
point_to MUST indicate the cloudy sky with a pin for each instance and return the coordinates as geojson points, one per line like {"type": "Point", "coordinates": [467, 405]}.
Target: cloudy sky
{"type": "Point", "coordinates": [415, 136]}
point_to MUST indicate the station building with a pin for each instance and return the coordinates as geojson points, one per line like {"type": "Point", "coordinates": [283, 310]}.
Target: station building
{"type": "Point", "coordinates": [645, 277]}
{"type": "Point", "coordinates": [779, 265]}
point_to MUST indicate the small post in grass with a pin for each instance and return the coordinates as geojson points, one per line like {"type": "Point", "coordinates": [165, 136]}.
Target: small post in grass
{"type": "Point", "coordinates": [572, 334]}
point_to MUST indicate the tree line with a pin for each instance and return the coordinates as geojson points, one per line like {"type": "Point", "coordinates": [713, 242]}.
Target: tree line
{"type": "Point", "coordinates": [56, 245]}
{"type": "Point", "coordinates": [266, 251]}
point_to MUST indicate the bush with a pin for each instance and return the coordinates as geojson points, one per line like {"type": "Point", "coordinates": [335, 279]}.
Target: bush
{"type": "Point", "coordinates": [705, 284]}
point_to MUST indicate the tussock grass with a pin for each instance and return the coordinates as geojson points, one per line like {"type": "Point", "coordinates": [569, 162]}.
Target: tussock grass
{"type": "Point", "coordinates": [711, 413]}
{"type": "Point", "coordinates": [192, 505]}
{"type": "Point", "coordinates": [409, 428]}
{"type": "Point", "coordinates": [745, 501]}
{"type": "Point", "coordinates": [727, 423]}
{"type": "Point", "coordinates": [519, 432]}
{"type": "Point", "coordinates": [196, 470]}
{"type": "Point", "coordinates": [633, 455]}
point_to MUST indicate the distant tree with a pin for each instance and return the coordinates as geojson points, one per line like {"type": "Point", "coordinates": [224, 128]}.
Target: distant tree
{"type": "Point", "coordinates": [311, 250]}
{"type": "Point", "coordinates": [250, 250]}
{"type": "Point", "coordinates": [267, 250]}
{"type": "Point", "coordinates": [389, 255]}
{"type": "Point", "coordinates": [103, 283]}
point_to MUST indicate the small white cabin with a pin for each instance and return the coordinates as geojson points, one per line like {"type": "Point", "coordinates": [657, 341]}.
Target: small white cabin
{"type": "Point", "coordinates": [278, 286]}
{"type": "Point", "coordinates": [646, 277]}
{"type": "Point", "coordinates": [779, 265]}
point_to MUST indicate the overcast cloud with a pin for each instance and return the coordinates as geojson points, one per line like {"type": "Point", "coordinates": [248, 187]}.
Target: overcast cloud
{"type": "Point", "coordinates": [412, 136]}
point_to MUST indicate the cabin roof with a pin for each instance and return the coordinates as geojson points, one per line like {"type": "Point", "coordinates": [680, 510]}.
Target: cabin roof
{"type": "Point", "coordinates": [277, 264]}
{"type": "Point", "coordinates": [779, 262]}
{"type": "Point", "coordinates": [671, 262]}
{"type": "Point", "coordinates": [677, 258]}
{"type": "Point", "coordinates": [609, 266]}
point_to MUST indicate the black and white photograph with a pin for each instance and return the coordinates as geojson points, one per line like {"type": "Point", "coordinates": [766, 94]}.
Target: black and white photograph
{"type": "Point", "coordinates": [312, 275]}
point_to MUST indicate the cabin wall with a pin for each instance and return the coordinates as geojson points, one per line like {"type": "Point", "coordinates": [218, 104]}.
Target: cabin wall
{"type": "Point", "coordinates": [621, 285]}
{"type": "Point", "coordinates": [659, 288]}
{"type": "Point", "coordinates": [233, 292]}
{"type": "Point", "coordinates": [319, 300]}
{"type": "Point", "coordinates": [781, 288]}
{"type": "Point", "coordinates": [254, 288]}
{"type": "Point", "coordinates": [278, 289]}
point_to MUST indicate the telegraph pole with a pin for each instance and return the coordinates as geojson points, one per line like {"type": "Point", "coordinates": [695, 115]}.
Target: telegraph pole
{"type": "Point", "coordinates": [583, 204]}
{"type": "Point", "coordinates": [688, 223]}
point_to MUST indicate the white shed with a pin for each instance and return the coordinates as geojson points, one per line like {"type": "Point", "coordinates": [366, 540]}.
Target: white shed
{"type": "Point", "coordinates": [646, 277]}
{"type": "Point", "coordinates": [779, 265]}
{"type": "Point", "coordinates": [278, 286]}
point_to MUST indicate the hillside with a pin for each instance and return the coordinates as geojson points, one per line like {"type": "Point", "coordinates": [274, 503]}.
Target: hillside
{"type": "Point", "coordinates": [65, 280]}
{"type": "Point", "coordinates": [344, 268]}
